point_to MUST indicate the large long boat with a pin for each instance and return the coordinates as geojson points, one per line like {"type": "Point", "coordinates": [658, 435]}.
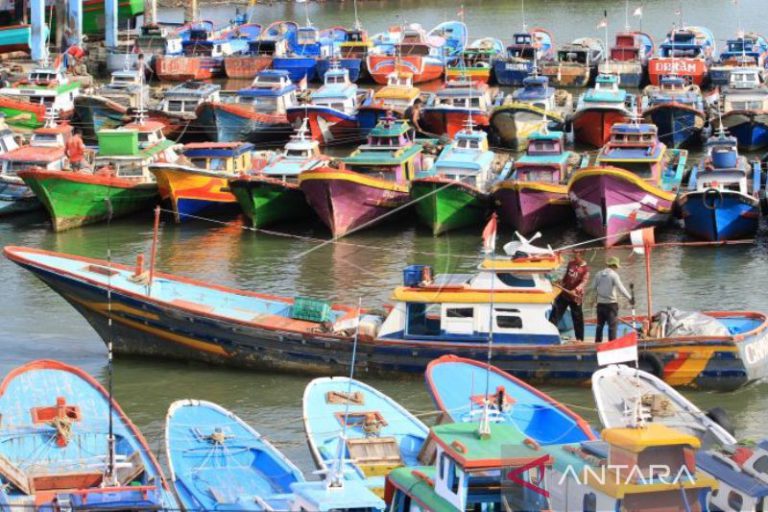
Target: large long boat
{"type": "Point", "coordinates": [187, 319]}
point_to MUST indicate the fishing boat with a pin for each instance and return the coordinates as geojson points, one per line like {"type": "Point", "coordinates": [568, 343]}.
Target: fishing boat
{"type": "Point", "coordinates": [270, 193]}
{"type": "Point", "coordinates": [677, 109]}
{"type": "Point", "coordinates": [125, 87]}
{"type": "Point", "coordinates": [310, 45]}
{"type": "Point", "coordinates": [392, 99]}
{"type": "Point", "coordinates": [463, 390]}
{"type": "Point", "coordinates": [534, 107]}
{"type": "Point", "coordinates": [152, 40]}
{"type": "Point", "coordinates": [256, 114]}
{"type": "Point", "coordinates": [349, 422]}
{"type": "Point", "coordinates": [273, 42]}
{"type": "Point", "coordinates": [722, 201]}
{"type": "Point", "coordinates": [535, 195]}
{"type": "Point", "coordinates": [628, 58]}
{"type": "Point", "coordinates": [447, 111]}
{"type": "Point", "coordinates": [743, 108]}
{"type": "Point", "coordinates": [599, 109]}
{"type": "Point", "coordinates": [527, 49]}
{"type": "Point", "coordinates": [373, 181]}
{"type": "Point", "coordinates": [476, 61]}
{"type": "Point", "coordinates": [634, 184]}
{"type": "Point", "coordinates": [118, 184]}
{"type": "Point", "coordinates": [15, 38]}
{"type": "Point", "coordinates": [201, 188]}
{"type": "Point", "coordinates": [687, 52]}
{"type": "Point", "coordinates": [44, 151]}
{"type": "Point", "coordinates": [576, 63]}
{"type": "Point", "coordinates": [177, 110]}
{"type": "Point", "coordinates": [219, 462]}
{"type": "Point", "coordinates": [742, 481]}
{"type": "Point", "coordinates": [73, 446]}
{"type": "Point", "coordinates": [455, 192]}
{"type": "Point", "coordinates": [351, 54]}
{"type": "Point", "coordinates": [746, 50]}
{"type": "Point", "coordinates": [24, 103]}
{"type": "Point", "coordinates": [332, 109]}
{"type": "Point", "coordinates": [186, 319]}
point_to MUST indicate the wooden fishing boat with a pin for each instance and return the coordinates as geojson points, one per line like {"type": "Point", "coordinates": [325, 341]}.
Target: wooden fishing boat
{"type": "Point", "coordinates": [461, 388]}
{"type": "Point", "coordinates": [746, 50]}
{"type": "Point", "coordinates": [309, 45]}
{"type": "Point", "coordinates": [687, 52]}
{"type": "Point", "coordinates": [722, 200]}
{"type": "Point", "coordinates": [15, 38]}
{"type": "Point", "coordinates": [44, 151]}
{"type": "Point", "coordinates": [527, 49]}
{"type": "Point", "coordinates": [576, 63]}
{"type": "Point", "coordinates": [599, 109]}
{"type": "Point", "coordinates": [270, 193]}
{"type": "Point", "coordinates": [455, 192]}
{"type": "Point", "coordinates": [634, 184]}
{"type": "Point", "coordinates": [177, 110]}
{"type": "Point", "coordinates": [352, 52]}
{"type": "Point", "coordinates": [743, 108]}
{"type": "Point", "coordinates": [347, 420]}
{"type": "Point", "coordinates": [256, 114]}
{"type": "Point", "coordinates": [535, 195]}
{"type": "Point", "coordinates": [271, 42]}
{"type": "Point", "coordinates": [201, 188]}
{"type": "Point", "coordinates": [331, 112]}
{"type": "Point", "coordinates": [60, 419]}
{"type": "Point", "coordinates": [24, 103]}
{"type": "Point", "coordinates": [677, 109]}
{"type": "Point", "coordinates": [158, 39]}
{"type": "Point", "coordinates": [120, 174]}
{"type": "Point", "coordinates": [476, 61]}
{"type": "Point", "coordinates": [182, 318]}
{"type": "Point", "coordinates": [392, 99]}
{"type": "Point", "coordinates": [628, 58]}
{"type": "Point", "coordinates": [534, 107]}
{"type": "Point", "coordinates": [447, 111]}
{"type": "Point", "coordinates": [372, 182]}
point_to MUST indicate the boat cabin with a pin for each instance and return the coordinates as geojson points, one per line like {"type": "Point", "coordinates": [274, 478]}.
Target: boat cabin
{"type": "Point", "coordinates": [225, 157]}
{"type": "Point", "coordinates": [356, 45]}
{"type": "Point", "coordinates": [389, 153]}
{"type": "Point", "coordinates": [185, 98]}
{"type": "Point", "coordinates": [468, 159]}
{"type": "Point", "coordinates": [270, 92]}
{"type": "Point", "coordinates": [722, 168]}
{"type": "Point", "coordinates": [627, 48]}
{"type": "Point", "coordinates": [470, 471]}
{"type": "Point", "coordinates": [158, 40]}
{"type": "Point", "coordinates": [399, 93]}
{"type": "Point", "coordinates": [45, 150]}
{"type": "Point", "coordinates": [307, 36]}
{"type": "Point", "coordinates": [545, 159]}
{"type": "Point", "coordinates": [463, 94]}
{"type": "Point", "coordinates": [744, 51]}
{"type": "Point", "coordinates": [216, 48]}
{"type": "Point", "coordinates": [745, 78]}
{"type": "Point", "coordinates": [45, 86]}
{"type": "Point", "coordinates": [126, 87]}
{"type": "Point", "coordinates": [300, 154]}
{"type": "Point", "coordinates": [522, 47]}
{"type": "Point", "coordinates": [125, 79]}
{"type": "Point", "coordinates": [127, 151]}
{"type": "Point", "coordinates": [607, 90]}
{"type": "Point", "coordinates": [511, 295]}
{"type": "Point", "coordinates": [634, 147]}
{"type": "Point", "coordinates": [337, 92]}
{"type": "Point", "coordinates": [536, 92]}
{"type": "Point", "coordinates": [682, 44]}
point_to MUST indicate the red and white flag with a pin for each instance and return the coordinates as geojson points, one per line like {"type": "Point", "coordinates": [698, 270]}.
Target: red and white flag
{"type": "Point", "coordinates": [642, 240]}
{"type": "Point", "coordinates": [603, 23]}
{"type": "Point", "coordinates": [618, 351]}
{"type": "Point", "coordinates": [489, 234]}
{"type": "Point", "coordinates": [638, 12]}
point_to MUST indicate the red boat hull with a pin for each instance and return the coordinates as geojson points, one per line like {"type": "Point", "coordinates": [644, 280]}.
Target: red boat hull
{"type": "Point", "coordinates": [423, 69]}
{"type": "Point", "coordinates": [443, 121]}
{"type": "Point", "coordinates": [593, 127]}
{"type": "Point", "coordinates": [694, 69]}
{"type": "Point", "coordinates": [246, 66]}
{"type": "Point", "coordinates": [181, 69]}
{"type": "Point", "coordinates": [326, 125]}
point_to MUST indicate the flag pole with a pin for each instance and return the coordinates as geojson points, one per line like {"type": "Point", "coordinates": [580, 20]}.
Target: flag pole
{"type": "Point", "coordinates": [648, 281]}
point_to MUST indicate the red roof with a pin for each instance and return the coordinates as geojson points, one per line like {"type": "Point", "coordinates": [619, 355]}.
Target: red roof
{"type": "Point", "coordinates": [33, 154]}
{"type": "Point", "coordinates": [147, 126]}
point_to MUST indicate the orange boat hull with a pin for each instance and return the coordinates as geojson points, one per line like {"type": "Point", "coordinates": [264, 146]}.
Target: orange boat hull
{"type": "Point", "coordinates": [423, 69]}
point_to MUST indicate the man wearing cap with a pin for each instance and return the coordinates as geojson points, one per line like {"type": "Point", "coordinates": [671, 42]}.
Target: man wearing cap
{"type": "Point", "coordinates": [606, 283]}
{"type": "Point", "coordinates": [572, 295]}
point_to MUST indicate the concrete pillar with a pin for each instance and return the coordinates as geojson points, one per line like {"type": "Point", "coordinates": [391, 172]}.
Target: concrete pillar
{"type": "Point", "coordinates": [61, 24]}
{"type": "Point", "coordinates": [150, 12]}
{"type": "Point", "coordinates": [110, 23]}
{"type": "Point", "coordinates": [190, 11]}
{"type": "Point", "coordinates": [75, 21]}
{"type": "Point", "coordinates": [38, 42]}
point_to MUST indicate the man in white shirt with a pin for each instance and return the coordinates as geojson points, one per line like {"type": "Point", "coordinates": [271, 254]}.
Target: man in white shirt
{"type": "Point", "coordinates": [607, 283]}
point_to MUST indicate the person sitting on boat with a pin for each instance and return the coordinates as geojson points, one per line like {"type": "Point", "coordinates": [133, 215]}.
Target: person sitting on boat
{"type": "Point", "coordinates": [76, 150]}
{"type": "Point", "coordinates": [571, 296]}
{"type": "Point", "coordinates": [607, 283]}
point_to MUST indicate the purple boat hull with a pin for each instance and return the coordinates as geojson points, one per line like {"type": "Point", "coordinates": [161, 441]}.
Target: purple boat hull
{"type": "Point", "coordinates": [611, 202]}
{"type": "Point", "coordinates": [529, 206]}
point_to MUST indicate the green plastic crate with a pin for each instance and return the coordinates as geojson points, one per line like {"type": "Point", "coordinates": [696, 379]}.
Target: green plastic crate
{"type": "Point", "coordinates": [310, 310]}
{"type": "Point", "coordinates": [118, 143]}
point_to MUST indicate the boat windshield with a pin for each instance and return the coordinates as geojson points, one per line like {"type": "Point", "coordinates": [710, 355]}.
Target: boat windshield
{"type": "Point", "coordinates": [298, 153]}
{"type": "Point", "coordinates": [259, 103]}
{"type": "Point", "coordinates": [182, 105]}
{"type": "Point", "coordinates": [212, 164]}
{"type": "Point", "coordinates": [468, 143]}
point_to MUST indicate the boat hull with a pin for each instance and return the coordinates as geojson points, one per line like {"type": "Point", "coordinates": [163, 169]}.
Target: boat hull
{"type": "Point", "coordinates": [610, 202]}
{"type": "Point", "coordinates": [246, 66]}
{"type": "Point", "coordinates": [297, 67]}
{"type": "Point", "coordinates": [593, 126]}
{"type": "Point", "coordinates": [16, 197]}
{"type": "Point", "coordinates": [181, 69]}
{"type": "Point", "coordinates": [529, 206]}
{"type": "Point", "coordinates": [630, 73]}
{"type": "Point", "coordinates": [423, 69]}
{"type": "Point", "coordinates": [266, 201]}
{"type": "Point", "coordinates": [749, 127]}
{"type": "Point", "coordinates": [510, 127]}
{"type": "Point", "coordinates": [719, 215]}
{"type": "Point", "coordinates": [192, 193]}
{"type": "Point", "coordinates": [226, 122]}
{"type": "Point", "coordinates": [449, 121]}
{"type": "Point", "coordinates": [511, 73]}
{"type": "Point", "coordinates": [326, 125]}
{"type": "Point", "coordinates": [73, 200]}
{"type": "Point", "coordinates": [156, 328]}
{"type": "Point", "coordinates": [443, 205]}
{"type": "Point", "coordinates": [23, 114]}
{"type": "Point", "coordinates": [567, 75]}
{"type": "Point", "coordinates": [695, 70]}
{"type": "Point", "coordinates": [348, 201]}
{"type": "Point", "coordinates": [678, 124]}
{"type": "Point", "coordinates": [15, 38]}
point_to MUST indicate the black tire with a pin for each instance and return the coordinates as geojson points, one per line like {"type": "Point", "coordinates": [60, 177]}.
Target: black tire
{"type": "Point", "coordinates": [719, 416]}
{"type": "Point", "coordinates": [651, 364]}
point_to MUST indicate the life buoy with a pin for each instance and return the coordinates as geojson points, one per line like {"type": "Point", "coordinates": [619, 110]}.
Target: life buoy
{"type": "Point", "coordinates": [712, 198]}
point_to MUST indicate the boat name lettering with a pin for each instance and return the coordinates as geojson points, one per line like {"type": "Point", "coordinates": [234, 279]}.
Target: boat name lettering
{"type": "Point", "coordinates": [757, 351]}
{"type": "Point", "coordinates": [624, 474]}
{"type": "Point", "coordinates": [674, 67]}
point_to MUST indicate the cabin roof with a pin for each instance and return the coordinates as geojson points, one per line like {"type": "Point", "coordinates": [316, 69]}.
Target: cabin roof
{"type": "Point", "coordinates": [749, 485]}
{"type": "Point", "coordinates": [225, 149]}
{"type": "Point", "coordinates": [352, 495]}
{"type": "Point", "coordinates": [654, 434]}
{"type": "Point", "coordinates": [367, 155]}
{"type": "Point", "coordinates": [54, 130]}
{"type": "Point", "coordinates": [146, 126]}
{"type": "Point", "coordinates": [534, 263]}
{"type": "Point", "coordinates": [34, 154]}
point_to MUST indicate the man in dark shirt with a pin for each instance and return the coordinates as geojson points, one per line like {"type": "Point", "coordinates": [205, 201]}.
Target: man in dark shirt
{"type": "Point", "coordinates": [572, 294]}
{"type": "Point", "coordinates": [413, 115]}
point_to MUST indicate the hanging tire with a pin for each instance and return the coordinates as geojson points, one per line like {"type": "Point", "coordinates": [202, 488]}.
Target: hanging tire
{"type": "Point", "coordinates": [719, 416]}
{"type": "Point", "coordinates": [650, 363]}
{"type": "Point", "coordinates": [712, 198]}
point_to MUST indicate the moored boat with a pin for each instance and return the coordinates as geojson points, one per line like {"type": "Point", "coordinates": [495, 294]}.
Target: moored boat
{"type": "Point", "coordinates": [722, 201]}
{"type": "Point", "coordinates": [535, 195]}
{"type": "Point", "coordinates": [74, 445]}
{"type": "Point", "coordinates": [746, 50]}
{"type": "Point", "coordinates": [743, 108]}
{"type": "Point", "coordinates": [177, 110]}
{"type": "Point", "coordinates": [447, 111]}
{"type": "Point", "coordinates": [634, 184]}
{"type": "Point", "coordinates": [476, 61]}
{"type": "Point", "coordinates": [599, 109]}
{"type": "Point", "coordinates": [628, 58]}
{"type": "Point", "coordinates": [309, 45]}
{"type": "Point", "coordinates": [15, 38]}
{"type": "Point", "coordinates": [687, 52]}
{"type": "Point", "coordinates": [392, 99]}
{"type": "Point", "coordinates": [455, 192]}
{"type": "Point", "coordinates": [521, 58]}
{"type": "Point", "coordinates": [25, 102]}
{"type": "Point", "coordinates": [677, 109]}
{"type": "Point", "coordinates": [576, 63]}
{"type": "Point", "coordinates": [273, 41]}
{"type": "Point", "coordinates": [351, 54]}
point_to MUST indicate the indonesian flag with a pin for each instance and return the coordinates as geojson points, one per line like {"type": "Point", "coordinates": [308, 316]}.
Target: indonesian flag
{"type": "Point", "coordinates": [642, 240]}
{"type": "Point", "coordinates": [618, 351]}
{"type": "Point", "coordinates": [489, 234]}
{"type": "Point", "coordinates": [460, 12]}
{"type": "Point", "coordinates": [638, 12]}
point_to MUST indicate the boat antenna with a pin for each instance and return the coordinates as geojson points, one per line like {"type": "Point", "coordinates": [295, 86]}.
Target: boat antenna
{"type": "Point", "coordinates": [525, 25]}
{"type": "Point", "coordinates": [140, 114]}
{"type": "Point", "coordinates": [626, 15]}
{"type": "Point", "coordinates": [306, 13]}
{"type": "Point", "coordinates": [110, 476]}
{"type": "Point", "coordinates": [484, 429]}
{"type": "Point", "coordinates": [358, 25]}
{"type": "Point", "coordinates": [605, 26]}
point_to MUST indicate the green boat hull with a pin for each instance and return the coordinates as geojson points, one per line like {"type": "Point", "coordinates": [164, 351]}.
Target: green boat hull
{"type": "Point", "coordinates": [266, 202]}
{"type": "Point", "coordinates": [19, 118]}
{"type": "Point", "coordinates": [74, 203]}
{"type": "Point", "coordinates": [444, 208]}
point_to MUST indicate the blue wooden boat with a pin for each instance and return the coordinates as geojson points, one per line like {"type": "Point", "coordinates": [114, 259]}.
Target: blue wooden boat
{"type": "Point", "coordinates": [527, 48]}
{"type": "Point", "coordinates": [677, 109]}
{"type": "Point", "coordinates": [218, 462]}
{"type": "Point", "coordinates": [55, 445]}
{"type": "Point", "coordinates": [310, 45]}
{"type": "Point", "coordinates": [722, 200]}
{"type": "Point", "coordinates": [461, 387]}
{"type": "Point", "coordinates": [15, 38]}
{"type": "Point", "coordinates": [746, 50]}
{"type": "Point", "coordinates": [349, 421]}
{"type": "Point", "coordinates": [352, 52]}
{"type": "Point", "coordinates": [743, 108]}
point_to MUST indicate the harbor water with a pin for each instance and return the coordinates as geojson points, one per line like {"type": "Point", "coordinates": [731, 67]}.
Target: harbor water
{"type": "Point", "coordinates": [293, 260]}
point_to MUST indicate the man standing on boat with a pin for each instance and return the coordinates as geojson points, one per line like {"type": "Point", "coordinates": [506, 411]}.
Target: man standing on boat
{"type": "Point", "coordinates": [413, 115]}
{"type": "Point", "coordinates": [607, 283]}
{"type": "Point", "coordinates": [76, 150]}
{"type": "Point", "coordinates": [572, 287]}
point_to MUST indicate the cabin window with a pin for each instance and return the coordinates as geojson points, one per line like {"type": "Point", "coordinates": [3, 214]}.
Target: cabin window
{"type": "Point", "coordinates": [401, 502]}
{"type": "Point", "coordinates": [423, 319]}
{"type": "Point", "coordinates": [735, 500]}
{"type": "Point", "coordinates": [508, 318]}
{"type": "Point", "coordinates": [516, 281]}
{"type": "Point", "coordinates": [460, 312]}
{"type": "Point", "coordinates": [590, 502]}
{"type": "Point", "coordinates": [761, 464]}
{"type": "Point", "coordinates": [443, 466]}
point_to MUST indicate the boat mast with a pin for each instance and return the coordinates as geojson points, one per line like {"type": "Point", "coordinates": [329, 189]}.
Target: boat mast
{"type": "Point", "coordinates": [484, 429]}
{"type": "Point", "coordinates": [110, 475]}
{"type": "Point", "coordinates": [525, 25]}
{"type": "Point", "coordinates": [626, 16]}
{"type": "Point", "coordinates": [358, 25]}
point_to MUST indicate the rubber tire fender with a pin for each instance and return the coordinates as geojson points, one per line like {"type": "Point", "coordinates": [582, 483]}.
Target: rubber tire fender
{"type": "Point", "coordinates": [721, 417]}
{"type": "Point", "coordinates": [652, 364]}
